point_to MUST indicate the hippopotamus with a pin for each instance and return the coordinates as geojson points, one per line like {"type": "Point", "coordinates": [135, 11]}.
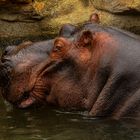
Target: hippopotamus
{"type": "Point", "coordinates": [95, 69]}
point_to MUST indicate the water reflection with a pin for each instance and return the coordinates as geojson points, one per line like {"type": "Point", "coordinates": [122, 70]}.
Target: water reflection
{"type": "Point", "coordinates": [52, 124]}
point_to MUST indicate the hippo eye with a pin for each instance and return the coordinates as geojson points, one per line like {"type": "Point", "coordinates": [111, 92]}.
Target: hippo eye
{"type": "Point", "coordinates": [58, 48]}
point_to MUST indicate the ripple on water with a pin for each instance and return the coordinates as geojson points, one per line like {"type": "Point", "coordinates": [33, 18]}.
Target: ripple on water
{"type": "Point", "coordinates": [55, 124]}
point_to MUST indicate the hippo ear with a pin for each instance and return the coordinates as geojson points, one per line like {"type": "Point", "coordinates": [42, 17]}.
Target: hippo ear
{"type": "Point", "coordinates": [86, 39]}
{"type": "Point", "coordinates": [94, 18]}
{"type": "Point", "coordinates": [67, 30]}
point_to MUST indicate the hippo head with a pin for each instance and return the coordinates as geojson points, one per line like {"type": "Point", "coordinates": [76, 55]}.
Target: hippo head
{"type": "Point", "coordinates": [62, 72]}
{"type": "Point", "coordinates": [69, 70]}
{"type": "Point", "coordinates": [19, 70]}
{"type": "Point", "coordinates": [17, 64]}
{"type": "Point", "coordinates": [29, 71]}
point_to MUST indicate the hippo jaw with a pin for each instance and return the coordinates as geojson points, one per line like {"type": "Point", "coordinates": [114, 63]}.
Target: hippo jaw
{"type": "Point", "coordinates": [15, 87]}
{"type": "Point", "coordinates": [59, 59]}
{"type": "Point", "coordinates": [26, 98]}
{"type": "Point", "coordinates": [22, 92]}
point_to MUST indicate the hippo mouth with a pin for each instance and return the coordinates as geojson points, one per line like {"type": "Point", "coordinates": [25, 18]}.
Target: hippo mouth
{"type": "Point", "coordinates": [25, 102]}
{"type": "Point", "coordinates": [28, 100]}
{"type": "Point", "coordinates": [25, 97]}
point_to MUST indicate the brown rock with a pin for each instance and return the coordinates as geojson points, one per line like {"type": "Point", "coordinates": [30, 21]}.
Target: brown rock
{"type": "Point", "coordinates": [127, 22]}
{"type": "Point", "coordinates": [41, 18]}
{"type": "Point", "coordinates": [21, 1]}
{"type": "Point", "coordinates": [118, 6]}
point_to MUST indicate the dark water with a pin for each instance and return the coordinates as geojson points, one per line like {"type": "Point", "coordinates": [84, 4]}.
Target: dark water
{"type": "Point", "coordinates": [55, 124]}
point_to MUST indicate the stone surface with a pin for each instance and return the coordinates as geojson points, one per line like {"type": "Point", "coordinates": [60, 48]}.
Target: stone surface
{"type": "Point", "coordinates": [16, 1]}
{"type": "Point", "coordinates": [118, 6]}
{"type": "Point", "coordinates": [124, 14]}
{"type": "Point", "coordinates": [41, 17]}
{"type": "Point", "coordinates": [127, 22]}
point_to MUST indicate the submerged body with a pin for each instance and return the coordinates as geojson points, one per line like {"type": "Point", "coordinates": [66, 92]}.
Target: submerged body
{"type": "Point", "coordinates": [96, 69]}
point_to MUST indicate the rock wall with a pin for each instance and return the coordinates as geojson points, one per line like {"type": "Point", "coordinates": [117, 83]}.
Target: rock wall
{"type": "Point", "coordinates": [38, 19]}
{"type": "Point", "coordinates": [118, 6]}
{"type": "Point", "coordinates": [41, 19]}
{"type": "Point", "coordinates": [124, 14]}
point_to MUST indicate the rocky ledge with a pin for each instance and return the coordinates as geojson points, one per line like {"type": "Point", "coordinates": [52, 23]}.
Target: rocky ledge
{"type": "Point", "coordinates": [41, 19]}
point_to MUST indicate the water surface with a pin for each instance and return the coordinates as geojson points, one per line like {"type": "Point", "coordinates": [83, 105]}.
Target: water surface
{"type": "Point", "coordinates": [55, 124]}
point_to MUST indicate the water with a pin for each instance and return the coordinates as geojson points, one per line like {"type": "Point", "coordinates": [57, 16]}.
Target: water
{"type": "Point", "coordinates": [55, 124]}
